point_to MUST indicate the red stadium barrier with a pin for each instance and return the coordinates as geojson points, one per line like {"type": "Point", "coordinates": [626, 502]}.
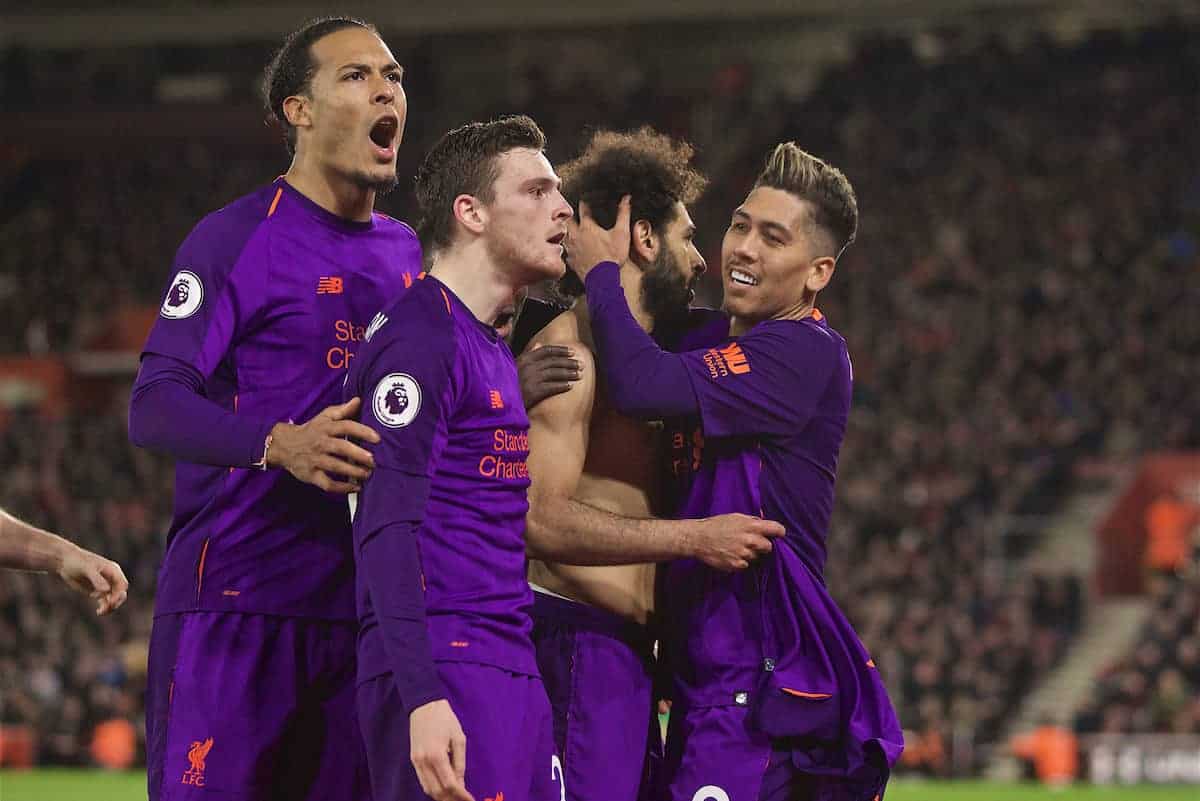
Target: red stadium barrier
{"type": "Point", "coordinates": [18, 747]}
{"type": "Point", "coordinates": [1122, 536]}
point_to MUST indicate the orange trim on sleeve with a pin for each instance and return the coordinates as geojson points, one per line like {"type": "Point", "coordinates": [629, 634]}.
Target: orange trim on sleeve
{"type": "Point", "coordinates": [812, 696]}
{"type": "Point", "coordinates": [275, 202]}
{"type": "Point", "coordinates": [446, 298]}
{"type": "Point", "coordinates": [235, 405]}
{"type": "Point", "coordinates": [200, 570]}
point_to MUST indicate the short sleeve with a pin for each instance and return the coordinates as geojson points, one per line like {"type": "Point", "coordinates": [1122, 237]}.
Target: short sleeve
{"type": "Point", "coordinates": [768, 382]}
{"type": "Point", "coordinates": [218, 284]}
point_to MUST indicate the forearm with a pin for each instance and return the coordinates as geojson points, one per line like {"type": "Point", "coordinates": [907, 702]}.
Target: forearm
{"type": "Point", "coordinates": [167, 414]}
{"type": "Point", "coordinates": [569, 532]}
{"type": "Point", "coordinates": [642, 380]}
{"type": "Point", "coordinates": [390, 561]}
{"type": "Point", "coordinates": [26, 547]}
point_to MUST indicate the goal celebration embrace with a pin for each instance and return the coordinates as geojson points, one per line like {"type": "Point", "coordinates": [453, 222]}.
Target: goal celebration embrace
{"type": "Point", "coordinates": [602, 401]}
{"type": "Point", "coordinates": [361, 547]}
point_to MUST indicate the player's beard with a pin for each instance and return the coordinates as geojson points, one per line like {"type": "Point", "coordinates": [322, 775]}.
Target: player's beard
{"type": "Point", "coordinates": [665, 292]}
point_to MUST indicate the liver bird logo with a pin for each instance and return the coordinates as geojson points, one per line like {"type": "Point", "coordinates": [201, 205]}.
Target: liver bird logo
{"type": "Point", "coordinates": [198, 752]}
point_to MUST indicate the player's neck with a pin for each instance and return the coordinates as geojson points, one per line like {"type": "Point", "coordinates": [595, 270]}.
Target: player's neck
{"type": "Point", "coordinates": [476, 280]}
{"type": "Point", "coordinates": [331, 192]}
{"type": "Point", "coordinates": [802, 309]}
{"type": "Point", "coordinates": [631, 283]}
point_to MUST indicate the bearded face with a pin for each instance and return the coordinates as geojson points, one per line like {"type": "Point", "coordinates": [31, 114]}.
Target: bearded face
{"type": "Point", "coordinates": [667, 290]}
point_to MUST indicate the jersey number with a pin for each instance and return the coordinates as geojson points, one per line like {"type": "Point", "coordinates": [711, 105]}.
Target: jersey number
{"type": "Point", "coordinates": [556, 775]}
{"type": "Point", "coordinates": [710, 792]}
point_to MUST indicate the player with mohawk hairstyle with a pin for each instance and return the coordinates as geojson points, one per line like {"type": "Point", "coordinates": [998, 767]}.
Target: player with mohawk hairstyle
{"type": "Point", "coordinates": [775, 697]}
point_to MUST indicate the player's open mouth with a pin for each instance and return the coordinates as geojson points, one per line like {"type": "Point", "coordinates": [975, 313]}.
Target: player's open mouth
{"type": "Point", "coordinates": [557, 239]}
{"type": "Point", "coordinates": [383, 136]}
{"type": "Point", "coordinates": [745, 279]}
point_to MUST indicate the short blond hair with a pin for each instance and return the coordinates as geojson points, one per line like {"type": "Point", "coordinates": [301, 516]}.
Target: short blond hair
{"type": "Point", "coordinates": [835, 208]}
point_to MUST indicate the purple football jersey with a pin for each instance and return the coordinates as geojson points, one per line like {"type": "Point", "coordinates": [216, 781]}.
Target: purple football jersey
{"type": "Point", "coordinates": [269, 300]}
{"type": "Point", "coordinates": [773, 406]}
{"type": "Point", "coordinates": [441, 389]}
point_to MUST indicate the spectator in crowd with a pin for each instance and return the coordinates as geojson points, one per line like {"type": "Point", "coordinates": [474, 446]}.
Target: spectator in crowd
{"type": "Point", "coordinates": [1053, 751]}
{"type": "Point", "coordinates": [1170, 519]}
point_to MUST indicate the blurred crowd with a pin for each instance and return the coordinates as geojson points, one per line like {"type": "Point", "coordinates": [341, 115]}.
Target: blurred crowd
{"type": "Point", "coordinates": [1029, 222]}
{"type": "Point", "coordinates": [1156, 688]}
{"type": "Point", "coordinates": [65, 671]}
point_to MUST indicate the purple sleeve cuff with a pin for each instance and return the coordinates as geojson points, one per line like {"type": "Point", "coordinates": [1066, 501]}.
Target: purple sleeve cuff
{"type": "Point", "coordinates": [642, 379]}
{"type": "Point", "coordinates": [167, 413]}
{"type": "Point", "coordinates": [391, 564]}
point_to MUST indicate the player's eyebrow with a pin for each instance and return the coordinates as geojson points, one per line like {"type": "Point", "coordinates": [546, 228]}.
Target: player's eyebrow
{"type": "Point", "coordinates": [777, 229]}
{"type": "Point", "coordinates": [534, 183]}
{"type": "Point", "coordinates": [391, 66]}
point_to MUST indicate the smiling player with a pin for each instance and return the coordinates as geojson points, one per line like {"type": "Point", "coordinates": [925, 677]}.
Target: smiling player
{"type": "Point", "coordinates": [775, 696]}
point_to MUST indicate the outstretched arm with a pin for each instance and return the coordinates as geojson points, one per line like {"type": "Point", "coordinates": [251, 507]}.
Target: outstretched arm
{"type": "Point", "coordinates": [25, 547]}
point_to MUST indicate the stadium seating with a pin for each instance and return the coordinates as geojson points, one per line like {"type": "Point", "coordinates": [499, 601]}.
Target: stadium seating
{"type": "Point", "coordinates": [1156, 688]}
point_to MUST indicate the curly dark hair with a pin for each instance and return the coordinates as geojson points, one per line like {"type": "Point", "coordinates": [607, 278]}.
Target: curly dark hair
{"type": "Point", "coordinates": [652, 167]}
{"type": "Point", "coordinates": [464, 162]}
{"type": "Point", "coordinates": [291, 69]}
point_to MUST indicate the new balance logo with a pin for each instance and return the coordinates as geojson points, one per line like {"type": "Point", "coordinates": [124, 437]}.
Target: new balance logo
{"type": "Point", "coordinates": [496, 400]}
{"type": "Point", "coordinates": [496, 797]}
{"type": "Point", "coordinates": [196, 756]}
{"type": "Point", "coordinates": [327, 285]}
{"type": "Point", "coordinates": [379, 321]}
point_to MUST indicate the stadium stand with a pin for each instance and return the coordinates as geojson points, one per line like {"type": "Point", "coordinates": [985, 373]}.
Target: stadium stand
{"type": "Point", "coordinates": [1156, 688]}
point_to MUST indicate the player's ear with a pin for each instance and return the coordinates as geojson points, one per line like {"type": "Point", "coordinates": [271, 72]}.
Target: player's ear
{"type": "Point", "coordinates": [297, 111]}
{"type": "Point", "coordinates": [470, 213]}
{"type": "Point", "coordinates": [820, 274]}
{"type": "Point", "coordinates": [644, 242]}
